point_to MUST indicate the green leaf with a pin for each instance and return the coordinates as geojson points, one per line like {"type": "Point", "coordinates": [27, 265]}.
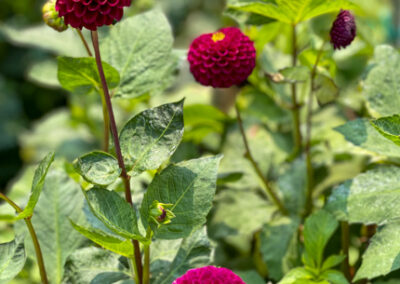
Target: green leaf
{"type": "Point", "coordinates": [110, 242]}
{"type": "Point", "coordinates": [250, 276]}
{"type": "Point", "coordinates": [291, 11]}
{"type": "Point", "coordinates": [332, 261]}
{"type": "Point", "coordinates": [94, 266]}
{"type": "Point", "coordinates": [117, 214]}
{"type": "Point", "coordinates": [389, 127]}
{"type": "Point", "coordinates": [151, 137]}
{"type": "Point", "coordinates": [98, 167]}
{"type": "Point", "coordinates": [277, 237]}
{"type": "Point", "coordinates": [334, 277]}
{"type": "Point", "coordinates": [61, 199]}
{"type": "Point", "coordinates": [12, 259]}
{"type": "Point", "coordinates": [37, 185]}
{"type": "Point", "coordinates": [325, 90]}
{"type": "Point", "coordinates": [370, 198]}
{"type": "Point", "coordinates": [80, 75]}
{"type": "Point", "coordinates": [298, 275]}
{"type": "Point", "coordinates": [294, 74]}
{"type": "Point", "coordinates": [381, 86]}
{"type": "Point", "coordinates": [143, 56]}
{"type": "Point", "coordinates": [361, 133]}
{"type": "Point", "coordinates": [195, 251]}
{"type": "Point", "coordinates": [318, 229]}
{"type": "Point", "coordinates": [382, 255]}
{"type": "Point", "coordinates": [44, 73]}
{"type": "Point", "coordinates": [190, 187]}
{"type": "Point", "coordinates": [224, 178]}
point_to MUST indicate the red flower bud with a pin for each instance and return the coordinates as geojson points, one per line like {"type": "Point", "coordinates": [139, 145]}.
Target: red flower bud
{"type": "Point", "coordinates": [222, 59]}
{"type": "Point", "coordinates": [91, 13]}
{"type": "Point", "coordinates": [343, 30]}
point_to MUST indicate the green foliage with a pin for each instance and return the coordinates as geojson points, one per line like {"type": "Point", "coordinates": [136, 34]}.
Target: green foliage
{"type": "Point", "coordinates": [190, 187]}
{"type": "Point", "coordinates": [12, 259]}
{"type": "Point", "coordinates": [144, 56]}
{"type": "Point", "coordinates": [151, 137]}
{"type": "Point", "coordinates": [37, 186]}
{"type": "Point", "coordinates": [98, 168]}
{"type": "Point", "coordinates": [80, 75]}
{"type": "Point", "coordinates": [326, 90]}
{"type": "Point", "coordinates": [117, 214]}
{"type": "Point", "coordinates": [389, 127]}
{"type": "Point", "coordinates": [289, 11]}
{"type": "Point", "coordinates": [370, 198]}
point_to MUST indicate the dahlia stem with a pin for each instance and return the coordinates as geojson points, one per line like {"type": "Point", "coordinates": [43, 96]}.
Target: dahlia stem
{"type": "Point", "coordinates": [85, 44]}
{"type": "Point", "coordinates": [295, 104]}
{"type": "Point", "coordinates": [114, 133]}
{"type": "Point", "coordinates": [345, 232]}
{"type": "Point", "coordinates": [38, 251]}
{"type": "Point", "coordinates": [146, 267]}
{"type": "Point", "coordinates": [270, 192]}
{"type": "Point", "coordinates": [310, 170]}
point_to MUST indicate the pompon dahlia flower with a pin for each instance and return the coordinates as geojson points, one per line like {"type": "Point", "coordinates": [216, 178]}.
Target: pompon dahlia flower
{"type": "Point", "coordinates": [343, 30]}
{"type": "Point", "coordinates": [209, 275]}
{"type": "Point", "coordinates": [222, 59]}
{"type": "Point", "coordinates": [91, 13]}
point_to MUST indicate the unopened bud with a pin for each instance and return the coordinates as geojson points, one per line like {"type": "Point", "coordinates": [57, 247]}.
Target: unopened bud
{"type": "Point", "coordinates": [51, 18]}
{"type": "Point", "coordinates": [160, 213]}
{"type": "Point", "coordinates": [343, 30]}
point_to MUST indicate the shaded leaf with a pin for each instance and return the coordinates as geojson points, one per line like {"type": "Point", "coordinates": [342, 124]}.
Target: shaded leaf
{"type": "Point", "coordinates": [325, 90]}
{"type": "Point", "coordinates": [332, 261]}
{"type": "Point", "coordinates": [190, 187]}
{"type": "Point", "coordinates": [389, 127]}
{"type": "Point", "coordinates": [12, 259]}
{"type": "Point", "coordinates": [98, 167]}
{"type": "Point", "coordinates": [151, 137]}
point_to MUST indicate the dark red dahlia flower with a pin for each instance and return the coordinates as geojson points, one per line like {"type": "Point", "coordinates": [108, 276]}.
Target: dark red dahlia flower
{"type": "Point", "coordinates": [91, 13]}
{"type": "Point", "coordinates": [209, 274]}
{"type": "Point", "coordinates": [343, 30]}
{"type": "Point", "coordinates": [222, 59]}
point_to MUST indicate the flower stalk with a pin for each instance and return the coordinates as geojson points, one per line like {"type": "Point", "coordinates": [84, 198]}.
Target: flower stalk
{"type": "Point", "coordinates": [114, 133]}
{"type": "Point", "coordinates": [32, 232]}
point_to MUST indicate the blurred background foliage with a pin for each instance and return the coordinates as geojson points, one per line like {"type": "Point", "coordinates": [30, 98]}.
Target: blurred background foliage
{"type": "Point", "coordinates": [35, 118]}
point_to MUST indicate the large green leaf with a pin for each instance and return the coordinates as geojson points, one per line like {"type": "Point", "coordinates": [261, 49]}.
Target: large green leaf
{"type": "Point", "coordinates": [80, 75]}
{"type": "Point", "coordinates": [61, 199]}
{"type": "Point", "coordinates": [291, 11]}
{"type": "Point", "coordinates": [383, 253]}
{"type": "Point", "coordinates": [190, 187]}
{"type": "Point", "coordinates": [370, 198]}
{"type": "Point", "coordinates": [389, 127]}
{"type": "Point", "coordinates": [117, 214]}
{"type": "Point", "coordinates": [277, 238]}
{"type": "Point", "coordinates": [98, 167]}
{"type": "Point", "coordinates": [318, 229]}
{"type": "Point", "coordinates": [140, 49]}
{"type": "Point", "coordinates": [94, 266]}
{"type": "Point", "coordinates": [37, 186]}
{"type": "Point", "coordinates": [194, 252]}
{"type": "Point", "coordinates": [151, 137]}
{"type": "Point", "coordinates": [382, 88]}
{"type": "Point", "coordinates": [361, 133]}
{"type": "Point", "coordinates": [12, 259]}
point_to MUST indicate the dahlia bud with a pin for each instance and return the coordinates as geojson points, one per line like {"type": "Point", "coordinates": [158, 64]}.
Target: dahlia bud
{"type": "Point", "coordinates": [160, 213]}
{"type": "Point", "coordinates": [222, 59]}
{"type": "Point", "coordinates": [343, 30]}
{"type": "Point", "coordinates": [209, 274]}
{"type": "Point", "coordinates": [51, 18]}
{"type": "Point", "coordinates": [91, 14]}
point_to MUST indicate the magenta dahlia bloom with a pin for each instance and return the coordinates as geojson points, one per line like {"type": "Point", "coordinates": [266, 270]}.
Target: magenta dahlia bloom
{"type": "Point", "coordinates": [209, 275]}
{"type": "Point", "coordinates": [343, 30]}
{"type": "Point", "coordinates": [222, 59]}
{"type": "Point", "coordinates": [91, 13]}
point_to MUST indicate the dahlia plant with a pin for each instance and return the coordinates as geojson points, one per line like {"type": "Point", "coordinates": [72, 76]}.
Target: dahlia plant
{"type": "Point", "coordinates": [122, 197]}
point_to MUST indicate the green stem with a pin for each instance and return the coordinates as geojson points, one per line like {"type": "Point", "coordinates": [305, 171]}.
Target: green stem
{"type": "Point", "coordinates": [345, 230]}
{"type": "Point", "coordinates": [146, 267]}
{"type": "Point", "coordinates": [310, 170]}
{"type": "Point", "coordinates": [295, 103]}
{"type": "Point", "coordinates": [38, 251]}
{"type": "Point", "coordinates": [114, 133]}
{"type": "Point", "coordinates": [85, 44]}
{"type": "Point", "coordinates": [270, 192]}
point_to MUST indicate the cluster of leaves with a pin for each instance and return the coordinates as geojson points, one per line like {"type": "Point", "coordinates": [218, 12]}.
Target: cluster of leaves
{"type": "Point", "coordinates": [81, 198]}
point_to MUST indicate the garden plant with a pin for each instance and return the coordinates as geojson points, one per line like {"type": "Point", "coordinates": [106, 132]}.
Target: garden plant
{"type": "Point", "coordinates": [264, 151]}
